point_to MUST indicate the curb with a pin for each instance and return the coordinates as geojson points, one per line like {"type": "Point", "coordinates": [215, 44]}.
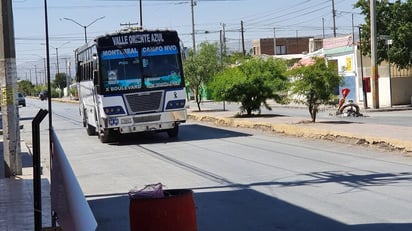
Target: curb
{"type": "Point", "coordinates": [300, 130]}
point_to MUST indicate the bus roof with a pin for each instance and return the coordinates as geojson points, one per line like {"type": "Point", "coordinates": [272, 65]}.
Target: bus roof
{"type": "Point", "coordinates": [136, 30]}
{"type": "Point", "coordinates": [122, 37]}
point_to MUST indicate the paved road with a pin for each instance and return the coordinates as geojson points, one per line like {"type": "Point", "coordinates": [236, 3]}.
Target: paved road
{"type": "Point", "coordinates": [242, 179]}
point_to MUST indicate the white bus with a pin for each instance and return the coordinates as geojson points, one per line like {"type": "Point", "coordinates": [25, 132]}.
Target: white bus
{"type": "Point", "coordinates": [131, 81]}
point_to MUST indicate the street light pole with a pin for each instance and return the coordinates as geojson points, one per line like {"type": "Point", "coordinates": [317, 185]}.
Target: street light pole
{"type": "Point", "coordinates": [85, 26]}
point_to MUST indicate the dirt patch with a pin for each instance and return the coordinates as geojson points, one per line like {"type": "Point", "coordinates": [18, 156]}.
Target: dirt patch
{"type": "Point", "coordinates": [382, 145]}
{"type": "Point", "coordinates": [257, 116]}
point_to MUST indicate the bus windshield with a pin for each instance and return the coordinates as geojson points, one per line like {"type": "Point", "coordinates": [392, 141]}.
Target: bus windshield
{"type": "Point", "coordinates": [120, 69]}
{"type": "Point", "coordinates": [161, 71]}
{"type": "Point", "coordinates": [124, 69]}
{"type": "Point", "coordinates": [161, 66]}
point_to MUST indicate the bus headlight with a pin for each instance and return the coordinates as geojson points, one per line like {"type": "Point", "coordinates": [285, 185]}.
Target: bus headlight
{"type": "Point", "coordinates": [174, 104]}
{"type": "Point", "coordinates": [113, 110]}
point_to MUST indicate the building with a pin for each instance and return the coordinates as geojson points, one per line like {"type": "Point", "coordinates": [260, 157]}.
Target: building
{"type": "Point", "coordinates": [284, 46]}
{"type": "Point", "coordinates": [394, 83]}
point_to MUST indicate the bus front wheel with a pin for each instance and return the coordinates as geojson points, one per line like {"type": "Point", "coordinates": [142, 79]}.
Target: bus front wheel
{"type": "Point", "coordinates": [104, 136]}
{"type": "Point", "coordinates": [172, 133]}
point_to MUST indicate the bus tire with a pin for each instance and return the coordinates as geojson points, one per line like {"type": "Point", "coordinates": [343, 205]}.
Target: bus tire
{"type": "Point", "coordinates": [105, 136]}
{"type": "Point", "coordinates": [84, 120]}
{"type": "Point", "coordinates": [172, 133]}
{"type": "Point", "coordinates": [91, 130]}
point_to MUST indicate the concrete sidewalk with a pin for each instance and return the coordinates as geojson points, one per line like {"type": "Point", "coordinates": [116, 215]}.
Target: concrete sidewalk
{"type": "Point", "coordinates": [388, 137]}
{"type": "Point", "coordinates": [16, 197]}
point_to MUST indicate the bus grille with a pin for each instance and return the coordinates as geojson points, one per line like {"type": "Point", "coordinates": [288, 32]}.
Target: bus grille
{"type": "Point", "coordinates": [146, 119]}
{"type": "Point", "coordinates": [144, 102]}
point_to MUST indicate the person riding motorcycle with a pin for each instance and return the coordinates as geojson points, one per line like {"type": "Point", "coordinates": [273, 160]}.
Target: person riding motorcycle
{"type": "Point", "coordinates": [43, 95]}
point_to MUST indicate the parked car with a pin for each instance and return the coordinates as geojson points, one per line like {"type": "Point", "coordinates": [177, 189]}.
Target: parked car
{"type": "Point", "coordinates": [21, 99]}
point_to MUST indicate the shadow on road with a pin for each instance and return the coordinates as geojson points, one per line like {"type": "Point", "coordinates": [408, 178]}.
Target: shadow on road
{"type": "Point", "coordinates": [187, 132]}
{"type": "Point", "coordinates": [237, 210]}
{"type": "Point", "coordinates": [237, 207]}
{"type": "Point", "coordinates": [338, 122]}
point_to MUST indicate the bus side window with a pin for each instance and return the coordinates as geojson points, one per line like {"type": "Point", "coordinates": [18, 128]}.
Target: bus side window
{"type": "Point", "coordinates": [78, 72]}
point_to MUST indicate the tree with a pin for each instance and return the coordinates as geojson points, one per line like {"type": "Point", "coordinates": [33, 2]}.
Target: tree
{"type": "Point", "coordinates": [393, 19]}
{"type": "Point", "coordinates": [60, 81]}
{"type": "Point", "coordinates": [252, 83]}
{"type": "Point", "coordinates": [316, 83]}
{"type": "Point", "coordinates": [26, 87]}
{"type": "Point", "coordinates": [199, 68]}
{"type": "Point", "coordinates": [235, 58]}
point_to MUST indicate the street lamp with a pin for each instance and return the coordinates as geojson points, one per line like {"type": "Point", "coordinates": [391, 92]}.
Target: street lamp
{"type": "Point", "coordinates": [85, 27]}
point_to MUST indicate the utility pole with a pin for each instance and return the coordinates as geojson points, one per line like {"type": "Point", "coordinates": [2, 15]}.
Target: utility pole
{"type": "Point", "coordinates": [365, 96]}
{"type": "Point", "coordinates": [224, 38]}
{"type": "Point", "coordinates": [35, 74]}
{"type": "Point", "coordinates": [353, 31]}
{"type": "Point", "coordinates": [243, 37]}
{"type": "Point", "coordinates": [274, 41]}
{"type": "Point", "coordinates": [57, 60]}
{"type": "Point", "coordinates": [334, 17]}
{"type": "Point", "coordinates": [69, 76]}
{"type": "Point", "coordinates": [192, 6]}
{"type": "Point", "coordinates": [374, 68]}
{"type": "Point", "coordinates": [323, 27]}
{"type": "Point", "coordinates": [10, 161]}
{"type": "Point", "coordinates": [141, 13]}
{"type": "Point", "coordinates": [297, 41]}
{"type": "Point", "coordinates": [221, 48]}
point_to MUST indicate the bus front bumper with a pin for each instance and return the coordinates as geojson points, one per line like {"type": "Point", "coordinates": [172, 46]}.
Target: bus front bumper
{"type": "Point", "coordinates": [147, 122]}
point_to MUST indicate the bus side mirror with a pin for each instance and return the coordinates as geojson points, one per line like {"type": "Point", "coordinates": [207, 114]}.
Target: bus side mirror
{"type": "Point", "coordinates": [96, 81]}
{"type": "Point", "coordinates": [95, 77]}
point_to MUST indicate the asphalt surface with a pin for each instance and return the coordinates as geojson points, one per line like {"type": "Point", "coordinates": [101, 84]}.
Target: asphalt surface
{"type": "Point", "coordinates": [338, 129]}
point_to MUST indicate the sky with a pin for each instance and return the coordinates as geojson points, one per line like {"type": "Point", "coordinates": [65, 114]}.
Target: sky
{"type": "Point", "coordinates": [261, 19]}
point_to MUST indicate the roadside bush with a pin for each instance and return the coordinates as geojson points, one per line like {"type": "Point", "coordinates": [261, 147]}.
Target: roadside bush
{"type": "Point", "coordinates": [252, 83]}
